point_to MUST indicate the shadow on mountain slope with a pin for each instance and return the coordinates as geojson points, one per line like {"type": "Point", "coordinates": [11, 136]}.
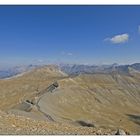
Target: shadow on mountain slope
{"type": "Point", "coordinates": [134, 118]}
{"type": "Point", "coordinates": [85, 124]}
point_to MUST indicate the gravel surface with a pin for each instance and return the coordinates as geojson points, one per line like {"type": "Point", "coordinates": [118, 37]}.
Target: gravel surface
{"type": "Point", "coordinates": [18, 125]}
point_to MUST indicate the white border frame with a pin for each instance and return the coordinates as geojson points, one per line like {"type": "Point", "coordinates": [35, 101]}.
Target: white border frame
{"type": "Point", "coordinates": [69, 2]}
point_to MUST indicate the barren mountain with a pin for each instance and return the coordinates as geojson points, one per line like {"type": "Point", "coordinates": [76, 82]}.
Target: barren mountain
{"type": "Point", "coordinates": [26, 85]}
{"type": "Point", "coordinates": [81, 104]}
{"type": "Point", "coordinates": [7, 72]}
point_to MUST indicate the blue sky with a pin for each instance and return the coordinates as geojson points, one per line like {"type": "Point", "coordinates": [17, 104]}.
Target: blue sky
{"type": "Point", "coordinates": [69, 34]}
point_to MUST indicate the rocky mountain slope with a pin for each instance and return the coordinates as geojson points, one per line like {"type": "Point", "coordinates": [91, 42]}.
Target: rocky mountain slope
{"type": "Point", "coordinates": [85, 103]}
{"type": "Point", "coordinates": [12, 71]}
{"type": "Point", "coordinates": [91, 69]}
{"type": "Point", "coordinates": [16, 89]}
{"type": "Point", "coordinates": [71, 69]}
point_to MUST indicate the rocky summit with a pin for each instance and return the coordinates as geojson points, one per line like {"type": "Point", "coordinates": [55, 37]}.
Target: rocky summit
{"type": "Point", "coordinates": [72, 100]}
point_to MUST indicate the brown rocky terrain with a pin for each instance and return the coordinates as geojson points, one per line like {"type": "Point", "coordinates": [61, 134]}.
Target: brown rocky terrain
{"type": "Point", "coordinates": [83, 104]}
{"type": "Point", "coordinates": [11, 124]}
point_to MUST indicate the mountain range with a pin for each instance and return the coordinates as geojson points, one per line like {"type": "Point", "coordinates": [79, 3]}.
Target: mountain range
{"type": "Point", "coordinates": [15, 70]}
{"type": "Point", "coordinates": [90, 69]}
{"type": "Point", "coordinates": [87, 99]}
{"type": "Point", "coordinates": [73, 69]}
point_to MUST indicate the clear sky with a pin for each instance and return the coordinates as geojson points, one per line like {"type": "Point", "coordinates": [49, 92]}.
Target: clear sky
{"type": "Point", "coordinates": [69, 34]}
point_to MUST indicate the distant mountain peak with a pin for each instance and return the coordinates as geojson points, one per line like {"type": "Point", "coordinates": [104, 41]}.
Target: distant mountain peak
{"type": "Point", "coordinates": [71, 69]}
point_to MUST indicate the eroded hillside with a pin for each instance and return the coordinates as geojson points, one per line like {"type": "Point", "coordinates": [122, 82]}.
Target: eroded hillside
{"type": "Point", "coordinates": [18, 88]}
{"type": "Point", "coordinates": [106, 101]}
